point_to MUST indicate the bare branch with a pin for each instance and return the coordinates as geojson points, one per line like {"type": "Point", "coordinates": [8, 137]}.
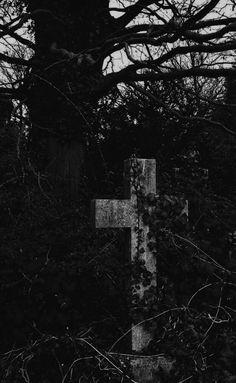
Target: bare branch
{"type": "Point", "coordinates": [16, 60]}
{"type": "Point", "coordinates": [180, 116]}
{"type": "Point", "coordinates": [131, 12]}
{"type": "Point", "coordinates": [213, 22]}
{"type": "Point", "coordinates": [129, 75]}
{"type": "Point", "coordinates": [10, 93]}
{"type": "Point", "coordinates": [183, 50]}
{"type": "Point", "coordinates": [22, 40]}
{"type": "Point", "coordinates": [210, 36]}
{"type": "Point", "coordinates": [201, 14]}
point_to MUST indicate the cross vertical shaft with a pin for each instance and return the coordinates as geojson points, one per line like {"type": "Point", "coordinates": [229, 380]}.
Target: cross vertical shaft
{"type": "Point", "coordinates": [140, 180]}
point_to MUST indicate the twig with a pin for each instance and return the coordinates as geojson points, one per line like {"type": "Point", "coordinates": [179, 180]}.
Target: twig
{"type": "Point", "coordinates": [198, 291]}
{"type": "Point", "coordinates": [214, 319]}
{"type": "Point", "coordinates": [107, 359]}
{"type": "Point", "coordinates": [186, 379]}
{"type": "Point", "coordinates": [145, 321]}
{"type": "Point", "coordinates": [179, 115]}
{"type": "Point", "coordinates": [203, 252]}
{"type": "Point", "coordinates": [72, 364]}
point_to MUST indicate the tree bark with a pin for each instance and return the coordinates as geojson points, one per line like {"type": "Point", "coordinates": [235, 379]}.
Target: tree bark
{"type": "Point", "coordinates": [61, 89]}
{"type": "Point", "coordinates": [65, 163]}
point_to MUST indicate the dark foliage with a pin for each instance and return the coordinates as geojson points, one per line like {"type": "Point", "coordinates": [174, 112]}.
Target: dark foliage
{"type": "Point", "coordinates": [63, 285]}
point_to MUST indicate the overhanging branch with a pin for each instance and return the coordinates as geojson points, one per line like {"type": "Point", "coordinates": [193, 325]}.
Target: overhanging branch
{"type": "Point", "coordinates": [223, 47]}
{"type": "Point", "coordinates": [10, 93]}
{"type": "Point", "coordinates": [179, 115]}
{"type": "Point", "coordinates": [131, 12]}
{"type": "Point", "coordinates": [129, 74]}
{"type": "Point", "coordinates": [16, 60]}
{"type": "Point", "coordinates": [201, 14]}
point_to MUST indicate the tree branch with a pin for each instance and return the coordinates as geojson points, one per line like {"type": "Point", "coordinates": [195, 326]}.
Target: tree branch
{"type": "Point", "coordinates": [180, 116]}
{"type": "Point", "coordinates": [131, 12]}
{"type": "Point", "coordinates": [10, 93]}
{"type": "Point", "coordinates": [195, 48]}
{"type": "Point", "coordinates": [198, 37]}
{"type": "Point", "coordinates": [128, 75]}
{"type": "Point", "coordinates": [22, 40]}
{"type": "Point", "coordinates": [201, 14]}
{"type": "Point", "coordinates": [213, 23]}
{"type": "Point", "coordinates": [16, 60]}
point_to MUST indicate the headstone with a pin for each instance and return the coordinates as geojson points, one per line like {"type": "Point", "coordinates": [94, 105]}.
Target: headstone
{"type": "Point", "coordinates": [140, 179]}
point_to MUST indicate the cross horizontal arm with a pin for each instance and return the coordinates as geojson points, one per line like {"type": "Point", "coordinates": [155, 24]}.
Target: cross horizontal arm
{"type": "Point", "coordinates": [112, 213]}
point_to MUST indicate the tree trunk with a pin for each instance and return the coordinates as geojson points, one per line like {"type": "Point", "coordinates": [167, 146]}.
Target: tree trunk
{"type": "Point", "coordinates": [65, 163]}
{"type": "Point", "coordinates": [61, 90]}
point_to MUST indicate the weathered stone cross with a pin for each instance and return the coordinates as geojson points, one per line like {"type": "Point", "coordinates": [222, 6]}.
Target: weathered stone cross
{"type": "Point", "coordinates": [140, 176]}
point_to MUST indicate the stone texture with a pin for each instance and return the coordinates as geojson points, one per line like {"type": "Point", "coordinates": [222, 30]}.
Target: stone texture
{"type": "Point", "coordinates": [112, 213]}
{"type": "Point", "coordinates": [146, 369]}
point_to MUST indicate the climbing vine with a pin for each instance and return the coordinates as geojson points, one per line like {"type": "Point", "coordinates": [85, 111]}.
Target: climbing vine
{"type": "Point", "coordinates": [195, 307]}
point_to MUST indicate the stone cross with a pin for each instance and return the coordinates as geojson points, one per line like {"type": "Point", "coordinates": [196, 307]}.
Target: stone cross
{"type": "Point", "coordinates": [140, 176]}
